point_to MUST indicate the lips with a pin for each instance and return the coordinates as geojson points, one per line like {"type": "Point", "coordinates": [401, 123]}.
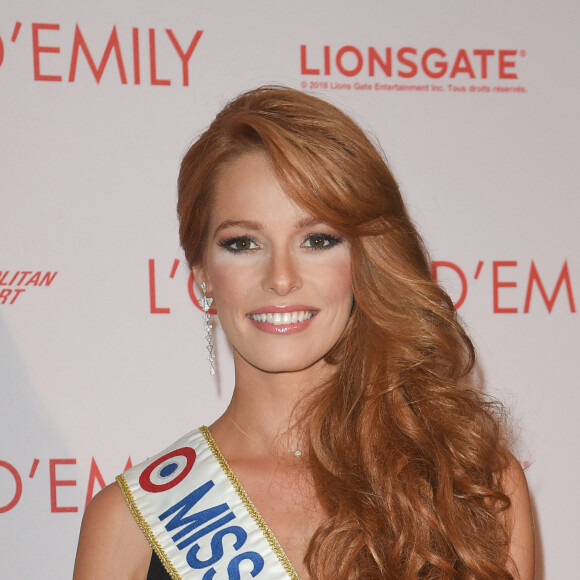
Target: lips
{"type": "Point", "coordinates": [282, 319]}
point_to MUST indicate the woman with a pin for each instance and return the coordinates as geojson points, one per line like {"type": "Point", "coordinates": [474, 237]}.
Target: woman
{"type": "Point", "coordinates": [352, 428]}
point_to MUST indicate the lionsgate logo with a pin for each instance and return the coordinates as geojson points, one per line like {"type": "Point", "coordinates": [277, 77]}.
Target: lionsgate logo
{"type": "Point", "coordinates": [410, 68]}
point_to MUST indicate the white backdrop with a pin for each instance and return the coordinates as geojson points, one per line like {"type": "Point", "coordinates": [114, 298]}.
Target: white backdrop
{"type": "Point", "coordinates": [475, 105]}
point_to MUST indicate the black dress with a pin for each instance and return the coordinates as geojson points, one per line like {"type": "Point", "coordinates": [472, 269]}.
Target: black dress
{"type": "Point", "coordinates": [156, 570]}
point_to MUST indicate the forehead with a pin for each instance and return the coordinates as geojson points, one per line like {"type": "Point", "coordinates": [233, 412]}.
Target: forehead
{"type": "Point", "coordinates": [246, 188]}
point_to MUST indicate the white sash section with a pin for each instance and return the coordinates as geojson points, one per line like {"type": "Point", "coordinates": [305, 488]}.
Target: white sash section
{"type": "Point", "coordinates": [198, 518]}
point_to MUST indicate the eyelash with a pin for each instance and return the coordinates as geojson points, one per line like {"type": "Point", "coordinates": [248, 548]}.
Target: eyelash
{"type": "Point", "coordinates": [229, 243]}
{"type": "Point", "coordinates": [329, 241]}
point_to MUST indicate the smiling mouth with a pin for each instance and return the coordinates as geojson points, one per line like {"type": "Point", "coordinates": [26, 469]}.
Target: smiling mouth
{"type": "Point", "coordinates": [283, 318]}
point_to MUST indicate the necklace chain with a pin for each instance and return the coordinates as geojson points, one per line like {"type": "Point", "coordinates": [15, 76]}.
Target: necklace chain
{"type": "Point", "coordinates": [296, 452]}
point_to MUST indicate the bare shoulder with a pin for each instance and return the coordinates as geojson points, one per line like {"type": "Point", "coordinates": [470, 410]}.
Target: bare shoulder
{"type": "Point", "coordinates": [520, 521]}
{"type": "Point", "coordinates": [111, 545]}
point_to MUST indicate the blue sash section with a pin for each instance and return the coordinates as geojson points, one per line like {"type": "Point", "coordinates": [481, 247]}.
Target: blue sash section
{"type": "Point", "coordinates": [197, 517]}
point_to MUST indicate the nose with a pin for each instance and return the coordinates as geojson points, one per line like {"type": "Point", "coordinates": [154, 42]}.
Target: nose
{"type": "Point", "coordinates": [281, 274]}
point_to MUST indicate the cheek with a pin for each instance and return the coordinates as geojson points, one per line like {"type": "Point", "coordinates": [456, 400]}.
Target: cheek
{"type": "Point", "coordinates": [229, 286]}
{"type": "Point", "coordinates": [334, 286]}
{"type": "Point", "coordinates": [338, 279]}
{"type": "Point", "coordinates": [225, 288]}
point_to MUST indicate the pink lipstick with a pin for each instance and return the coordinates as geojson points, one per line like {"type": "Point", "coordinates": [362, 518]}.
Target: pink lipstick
{"type": "Point", "coordinates": [282, 319]}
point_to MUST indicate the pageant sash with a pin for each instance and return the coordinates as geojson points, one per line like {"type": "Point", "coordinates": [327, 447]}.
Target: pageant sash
{"type": "Point", "coordinates": [198, 518]}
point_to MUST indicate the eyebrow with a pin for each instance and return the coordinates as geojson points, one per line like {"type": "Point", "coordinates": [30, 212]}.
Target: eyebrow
{"type": "Point", "coordinates": [308, 222]}
{"type": "Point", "coordinates": [257, 226]}
{"type": "Point", "coordinates": [249, 225]}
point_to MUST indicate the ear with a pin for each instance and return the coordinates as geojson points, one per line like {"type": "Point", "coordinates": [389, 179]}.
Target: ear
{"type": "Point", "coordinates": [199, 276]}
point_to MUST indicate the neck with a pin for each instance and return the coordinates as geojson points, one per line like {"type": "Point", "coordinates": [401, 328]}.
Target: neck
{"type": "Point", "coordinates": [261, 417]}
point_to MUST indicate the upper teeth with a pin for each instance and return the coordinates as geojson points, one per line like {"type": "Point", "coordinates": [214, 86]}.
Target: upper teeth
{"type": "Point", "coordinates": [283, 317]}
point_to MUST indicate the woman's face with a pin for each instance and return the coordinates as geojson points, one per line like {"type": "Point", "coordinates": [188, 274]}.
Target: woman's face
{"type": "Point", "coordinates": [280, 278]}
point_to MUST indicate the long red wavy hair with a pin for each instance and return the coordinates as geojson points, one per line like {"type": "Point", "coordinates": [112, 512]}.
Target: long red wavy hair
{"type": "Point", "coordinates": [406, 456]}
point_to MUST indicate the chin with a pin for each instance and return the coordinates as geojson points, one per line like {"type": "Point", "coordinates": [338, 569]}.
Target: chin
{"type": "Point", "coordinates": [283, 364]}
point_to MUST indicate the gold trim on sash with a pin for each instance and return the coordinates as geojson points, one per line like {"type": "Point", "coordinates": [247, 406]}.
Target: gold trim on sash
{"type": "Point", "coordinates": [250, 507]}
{"type": "Point", "coordinates": [167, 564]}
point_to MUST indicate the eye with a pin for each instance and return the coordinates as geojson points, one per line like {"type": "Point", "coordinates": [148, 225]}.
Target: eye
{"type": "Point", "coordinates": [321, 241]}
{"type": "Point", "coordinates": [238, 244]}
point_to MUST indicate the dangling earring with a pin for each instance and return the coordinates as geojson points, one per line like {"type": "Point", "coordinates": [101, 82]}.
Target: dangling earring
{"type": "Point", "coordinates": [205, 304]}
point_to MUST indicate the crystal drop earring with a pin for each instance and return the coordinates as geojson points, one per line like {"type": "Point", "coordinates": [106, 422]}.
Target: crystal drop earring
{"type": "Point", "coordinates": [205, 304]}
